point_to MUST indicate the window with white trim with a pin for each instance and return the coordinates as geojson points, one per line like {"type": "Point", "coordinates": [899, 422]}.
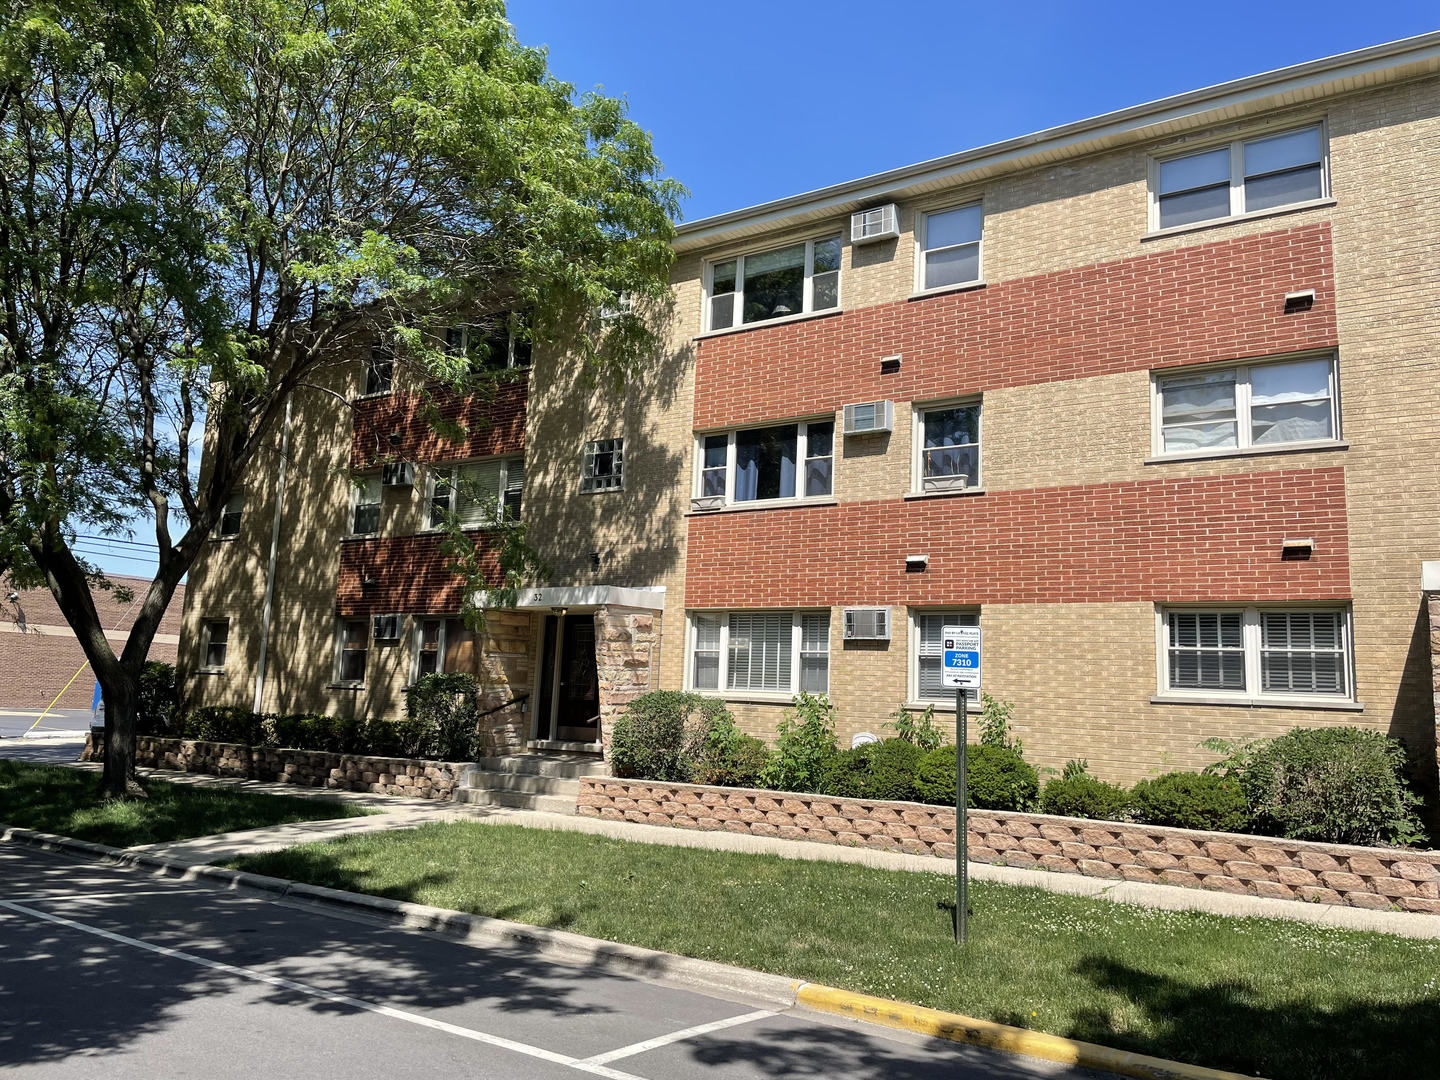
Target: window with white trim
{"type": "Point", "coordinates": [1256, 652]}
{"type": "Point", "coordinates": [787, 461]}
{"type": "Point", "coordinates": [231, 515]}
{"type": "Point", "coordinates": [379, 370]}
{"type": "Point", "coordinates": [766, 652]}
{"type": "Point", "coordinates": [365, 505]}
{"type": "Point", "coordinates": [772, 284]}
{"type": "Point", "coordinates": [501, 342]}
{"type": "Point", "coordinates": [429, 647]}
{"type": "Point", "coordinates": [1249, 406]}
{"type": "Point", "coordinates": [949, 247]}
{"type": "Point", "coordinates": [214, 644]}
{"type": "Point", "coordinates": [603, 467]}
{"type": "Point", "coordinates": [927, 647]}
{"type": "Point", "coordinates": [947, 447]}
{"type": "Point", "coordinates": [352, 650]}
{"type": "Point", "coordinates": [479, 493]}
{"type": "Point", "coordinates": [1242, 177]}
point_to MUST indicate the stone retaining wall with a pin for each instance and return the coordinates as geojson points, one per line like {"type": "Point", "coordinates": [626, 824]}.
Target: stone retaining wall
{"type": "Point", "coordinates": [1379, 878]}
{"type": "Point", "coordinates": [411, 777]}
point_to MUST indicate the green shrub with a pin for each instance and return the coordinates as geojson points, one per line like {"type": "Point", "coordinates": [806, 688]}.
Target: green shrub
{"type": "Point", "coordinates": [1342, 784]}
{"type": "Point", "coordinates": [997, 721]}
{"type": "Point", "coordinates": [651, 740]}
{"type": "Point", "coordinates": [919, 730]}
{"type": "Point", "coordinates": [892, 770]}
{"type": "Point", "coordinates": [847, 776]}
{"type": "Point", "coordinates": [805, 745]}
{"type": "Point", "coordinates": [446, 709]}
{"type": "Point", "coordinates": [996, 778]}
{"type": "Point", "coordinates": [1191, 801]}
{"type": "Point", "coordinates": [1078, 794]}
{"type": "Point", "coordinates": [719, 753]}
{"type": "Point", "coordinates": [159, 699]}
{"type": "Point", "coordinates": [225, 723]}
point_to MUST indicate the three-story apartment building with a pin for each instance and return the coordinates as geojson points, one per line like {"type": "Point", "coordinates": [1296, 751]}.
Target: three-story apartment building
{"type": "Point", "coordinates": [1152, 398]}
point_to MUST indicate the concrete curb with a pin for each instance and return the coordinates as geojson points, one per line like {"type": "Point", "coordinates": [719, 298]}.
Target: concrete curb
{"type": "Point", "coordinates": [560, 946]}
{"type": "Point", "coordinates": [1014, 1040]}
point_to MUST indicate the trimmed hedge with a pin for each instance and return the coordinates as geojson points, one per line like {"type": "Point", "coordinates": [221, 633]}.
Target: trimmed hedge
{"type": "Point", "coordinates": [1078, 794]}
{"type": "Point", "coordinates": [1191, 801]}
{"type": "Point", "coordinates": [996, 778]}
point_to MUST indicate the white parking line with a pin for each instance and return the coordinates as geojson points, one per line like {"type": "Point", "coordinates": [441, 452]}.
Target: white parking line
{"type": "Point", "coordinates": [677, 1036]}
{"type": "Point", "coordinates": [586, 1066]}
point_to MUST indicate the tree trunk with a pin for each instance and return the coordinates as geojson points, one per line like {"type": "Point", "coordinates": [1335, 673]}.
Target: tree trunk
{"type": "Point", "coordinates": [120, 690]}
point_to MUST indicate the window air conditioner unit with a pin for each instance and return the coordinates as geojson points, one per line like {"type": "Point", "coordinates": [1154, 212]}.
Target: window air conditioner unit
{"type": "Point", "coordinates": [867, 624]}
{"type": "Point", "coordinates": [869, 417]}
{"type": "Point", "coordinates": [398, 474]}
{"type": "Point", "coordinates": [385, 628]}
{"type": "Point", "coordinates": [877, 223]}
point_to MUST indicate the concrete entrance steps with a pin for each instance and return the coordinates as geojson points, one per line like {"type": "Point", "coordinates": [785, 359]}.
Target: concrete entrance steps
{"type": "Point", "coordinates": [546, 782]}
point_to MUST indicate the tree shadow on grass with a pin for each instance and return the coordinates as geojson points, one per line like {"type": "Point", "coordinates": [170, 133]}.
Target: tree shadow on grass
{"type": "Point", "coordinates": [1232, 1025]}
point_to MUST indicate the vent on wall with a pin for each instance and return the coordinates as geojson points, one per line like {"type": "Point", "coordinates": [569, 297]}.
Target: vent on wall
{"type": "Point", "coordinates": [867, 624]}
{"type": "Point", "coordinates": [869, 416]}
{"type": "Point", "coordinates": [877, 223]}
{"type": "Point", "coordinates": [385, 628]}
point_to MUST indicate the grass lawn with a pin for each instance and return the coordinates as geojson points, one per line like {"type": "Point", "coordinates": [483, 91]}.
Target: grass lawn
{"type": "Point", "coordinates": [58, 800]}
{"type": "Point", "coordinates": [1278, 998]}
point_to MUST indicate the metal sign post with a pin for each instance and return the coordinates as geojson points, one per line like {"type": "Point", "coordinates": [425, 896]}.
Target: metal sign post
{"type": "Point", "coordinates": [961, 669]}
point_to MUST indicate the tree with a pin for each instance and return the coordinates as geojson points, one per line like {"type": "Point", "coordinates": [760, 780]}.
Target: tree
{"type": "Point", "coordinates": [204, 205]}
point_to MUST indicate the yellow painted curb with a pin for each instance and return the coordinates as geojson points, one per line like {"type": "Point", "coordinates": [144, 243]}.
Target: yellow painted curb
{"type": "Point", "coordinates": [967, 1029]}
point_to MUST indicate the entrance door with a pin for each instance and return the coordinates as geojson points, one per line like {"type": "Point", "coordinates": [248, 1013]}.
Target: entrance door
{"type": "Point", "coordinates": [569, 685]}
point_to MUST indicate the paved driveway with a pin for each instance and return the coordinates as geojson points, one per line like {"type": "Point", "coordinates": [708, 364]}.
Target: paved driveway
{"type": "Point", "coordinates": [112, 973]}
{"type": "Point", "coordinates": [16, 722]}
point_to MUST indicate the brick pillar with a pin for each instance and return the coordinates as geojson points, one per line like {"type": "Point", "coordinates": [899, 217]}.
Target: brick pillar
{"type": "Point", "coordinates": [627, 657]}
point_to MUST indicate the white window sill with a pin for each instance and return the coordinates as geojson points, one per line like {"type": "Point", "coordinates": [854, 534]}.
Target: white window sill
{"type": "Point", "coordinates": [1250, 451]}
{"type": "Point", "coordinates": [804, 316]}
{"type": "Point", "coordinates": [375, 396]}
{"type": "Point", "coordinates": [765, 504]}
{"type": "Point", "coordinates": [945, 290]}
{"type": "Point", "coordinates": [751, 697]}
{"type": "Point", "coordinates": [209, 671]}
{"type": "Point", "coordinates": [602, 491]}
{"type": "Point", "coordinates": [1259, 701]}
{"type": "Point", "coordinates": [345, 686]}
{"type": "Point", "coordinates": [359, 536]}
{"type": "Point", "coordinates": [218, 538]}
{"type": "Point", "coordinates": [1233, 219]}
{"type": "Point", "coordinates": [947, 706]}
{"type": "Point", "coordinates": [944, 494]}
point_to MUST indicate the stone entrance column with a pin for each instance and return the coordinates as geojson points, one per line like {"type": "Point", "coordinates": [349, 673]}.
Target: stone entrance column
{"type": "Point", "coordinates": [627, 656]}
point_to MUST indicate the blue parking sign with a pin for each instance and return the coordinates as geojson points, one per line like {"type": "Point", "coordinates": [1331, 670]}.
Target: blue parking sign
{"type": "Point", "coordinates": [960, 657]}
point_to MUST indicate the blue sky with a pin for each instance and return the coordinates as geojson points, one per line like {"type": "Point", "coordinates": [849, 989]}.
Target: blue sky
{"type": "Point", "coordinates": [749, 101]}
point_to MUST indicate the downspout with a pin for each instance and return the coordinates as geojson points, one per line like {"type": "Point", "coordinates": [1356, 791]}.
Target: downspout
{"type": "Point", "coordinates": [270, 570]}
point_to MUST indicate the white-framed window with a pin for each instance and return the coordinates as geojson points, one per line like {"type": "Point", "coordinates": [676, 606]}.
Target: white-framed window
{"type": "Point", "coordinates": [1246, 176]}
{"type": "Point", "coordinates": [365, 505]}
{"type": "Point", "coordinates": [479, 493]}
{"type": "Point", "coordinates": [789, 280]}
{"type": "Point", "coordinates": [352, 651]}
{"type": "Point", "coordinates": [948, 247]}
{"type": "Point", "coordinates": [379, 370]}
{"type": "Point", "coordinates": [947, 446]}
{"type": "Point", "coordinates": [1255, 652]}
{"type": "Point", "coordinates": [429, 646]}
{"type": "Point", "coordinates": [502, 342]}
{"type": "Point", "coordinates": [759, 652]}
{"type": "Point", "coordinates": [926, 651]}
{"type": "Point", "coordinates": [214, 644]}
{"type": "Point", "coordinates": [1249, 406]}
{"type": "Point", "coordinates": [231, 515]}
{"type": "Point", "coordinates": [603, 466]}
{"type": "Point", "coordinates": [784, 461]}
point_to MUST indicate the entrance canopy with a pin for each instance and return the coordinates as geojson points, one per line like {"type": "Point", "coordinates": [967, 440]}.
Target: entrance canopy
{"type": "Point", "coordinates": [579, 597]}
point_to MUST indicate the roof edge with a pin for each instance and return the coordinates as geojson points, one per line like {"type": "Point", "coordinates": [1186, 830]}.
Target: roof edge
{"type": "Point", "coordinates": [1373, 58]}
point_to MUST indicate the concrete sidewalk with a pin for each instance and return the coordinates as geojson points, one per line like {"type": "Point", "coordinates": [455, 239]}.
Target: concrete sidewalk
{"type": "Point", "coordinates": [402, 813]}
